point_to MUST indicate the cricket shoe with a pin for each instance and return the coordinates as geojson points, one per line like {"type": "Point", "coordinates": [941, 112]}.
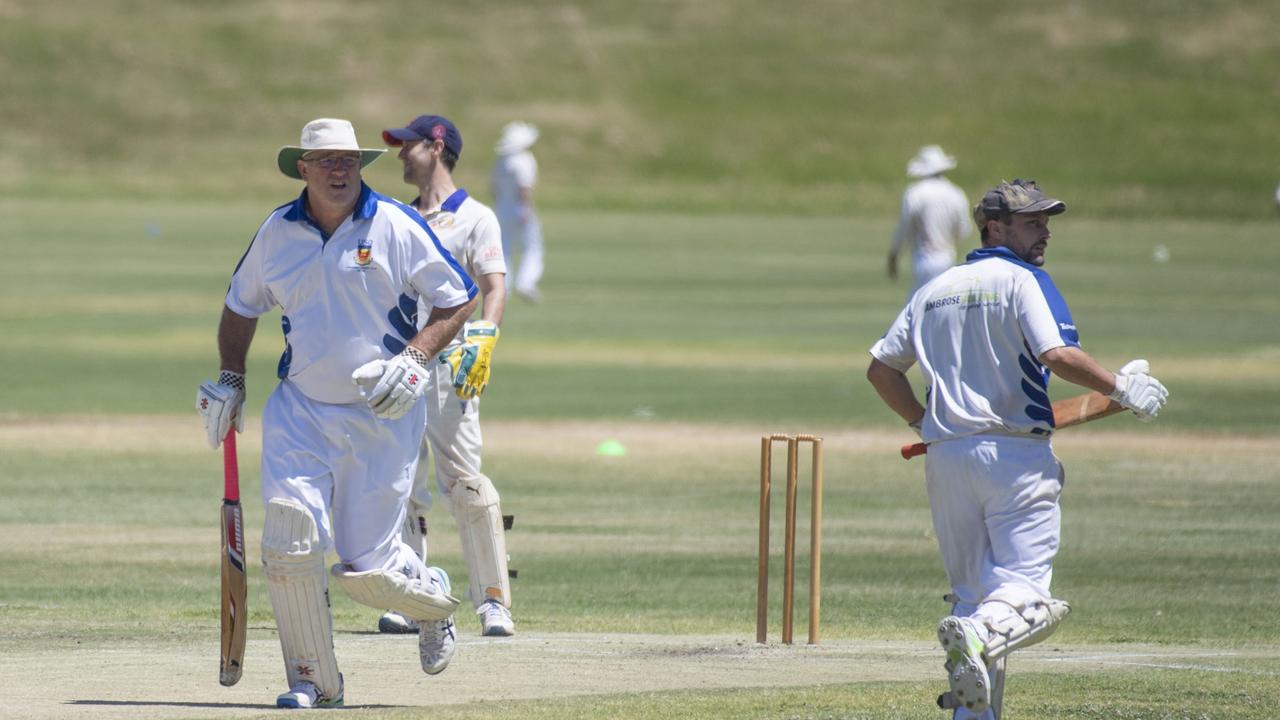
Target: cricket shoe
{"type": "Point", "coordinates": [394, 623]}
{"type": "Point", "coordinates": [436, 639]}
{"type": "Point", "coordinates": [966, 668]}
{"type": "Point", "coordinates": [495, 619]}
{"type": "Point", "coordinates": [306, 695]}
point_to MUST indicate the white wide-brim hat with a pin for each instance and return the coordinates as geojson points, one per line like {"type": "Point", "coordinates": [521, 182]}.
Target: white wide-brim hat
{"type": "Point", "coordinates": [931, 160]}
{"type": "Point", "coordinates": [323, 134]}
{"type": "Point", "coordinates": [516, 136]}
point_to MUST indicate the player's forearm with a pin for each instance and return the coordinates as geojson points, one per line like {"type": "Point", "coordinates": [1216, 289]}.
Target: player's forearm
{"type": "Point", "coordinates": [235, 334]}
{"type": "Point", "coordinates": [493, 290]}
{"type": "Point", "coordinates": [442, 326]}
{"type": "Point", "coordinates": [895, 390]}
{"type": "Point", "coordinates": [1078, 367]}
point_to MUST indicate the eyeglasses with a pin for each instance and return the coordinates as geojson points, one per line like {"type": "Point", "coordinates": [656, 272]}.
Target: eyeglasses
{"type": "Point", "coordinates": [329, 162]}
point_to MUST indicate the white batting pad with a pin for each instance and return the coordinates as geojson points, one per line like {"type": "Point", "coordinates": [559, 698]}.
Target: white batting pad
{"type": "Point", "coordinates": [1027, 626]}
{"type": "Point", "coordinates": [474, 505]}
{"type": "Point", "coordinates": [414, 598]}
{"type": "Point", "coordinates": [293, 563]}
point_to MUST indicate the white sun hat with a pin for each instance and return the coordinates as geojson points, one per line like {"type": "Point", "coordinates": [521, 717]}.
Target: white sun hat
{"type": "Point", "coordinates": [323, 134]}
{"type": "Point", "coordinates": [516, 136]}
{"type": "Point", "coordinates": [931, 160]}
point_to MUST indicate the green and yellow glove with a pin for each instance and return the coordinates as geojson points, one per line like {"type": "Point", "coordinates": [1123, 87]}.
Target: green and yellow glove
{"type": "Point", "coordinates": [469, 362]}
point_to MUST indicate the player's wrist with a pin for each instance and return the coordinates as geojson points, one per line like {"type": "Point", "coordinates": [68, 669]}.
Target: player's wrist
{"type": "Point", "coordinates": [916, 427]}
{"type": "Point", "coordinates": [231, 378]}
{"type": "Point", "coordinates": [416, 355]}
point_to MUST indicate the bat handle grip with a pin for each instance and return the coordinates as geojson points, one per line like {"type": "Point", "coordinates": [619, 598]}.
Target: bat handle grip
{"type": "Point", "coordinates": [913, 450]}
{"type": "Point", "coordinates": [230, 468]}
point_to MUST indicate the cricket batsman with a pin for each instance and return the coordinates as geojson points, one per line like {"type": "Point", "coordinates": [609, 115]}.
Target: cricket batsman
{"type": "Point", "coordinates": [987, 334]}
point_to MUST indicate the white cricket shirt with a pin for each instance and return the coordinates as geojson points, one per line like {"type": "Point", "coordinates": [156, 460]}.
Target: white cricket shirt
{"type": "Point", "coordinates": [468, 229]}
{"type": "Point", "coordinates": [510, 173]}
{"type": "Point", "coordinates": [935, 217]}
{"type": "Point", "coordinates": [347, 298]}
{"type": "Point", "coordinates": [977, 331]}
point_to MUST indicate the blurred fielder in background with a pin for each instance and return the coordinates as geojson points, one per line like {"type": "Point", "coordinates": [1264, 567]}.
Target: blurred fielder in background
{"type": "Point", "coordinates": [935, 218]}
{"type": "Point", "coordinates": [348, 268]}
{"type": "Point", "coordinates": [987, 334]}
{"type": "Point", "coordinates": [429, 148]}
{"type": "Point", "coordinates": [515, 173]}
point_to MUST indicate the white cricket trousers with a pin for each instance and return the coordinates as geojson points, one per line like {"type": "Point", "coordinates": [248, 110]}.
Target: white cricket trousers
{"type": "Point", "coordinates": [452, 439]}
{"type": "Point", "coordinates": [527, 234]}
{"type": "Point", "coordinates": [347, 467]}
{"type": "Point", "coordinates": [995, 510]}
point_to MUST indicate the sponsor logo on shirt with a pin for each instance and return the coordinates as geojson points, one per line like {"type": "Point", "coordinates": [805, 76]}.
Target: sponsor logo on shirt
{"type": "Point", "coordinates": [493, 253]}
{"type": "Point", "coordinates": [441, 220]}
{"type": "Point", "coordinates": [974, 297]}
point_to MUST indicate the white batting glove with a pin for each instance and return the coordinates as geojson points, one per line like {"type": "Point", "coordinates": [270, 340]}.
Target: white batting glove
{"type": "Point", "coordinates": [220, 404]}
{"type": "Point", "coordinates": [392, 386]}
{"type": "Point", "coordinates": [1138, 391]}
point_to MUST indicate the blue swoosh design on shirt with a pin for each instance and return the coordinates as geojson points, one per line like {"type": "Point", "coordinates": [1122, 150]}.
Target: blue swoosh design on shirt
{"type": "Point", "coordinates": [1035, 383]}
{"type": "Point", "coordinates": [404, 320]}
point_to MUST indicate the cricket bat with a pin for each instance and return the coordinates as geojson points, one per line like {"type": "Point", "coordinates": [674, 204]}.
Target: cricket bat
{"type": "Point", "coordinates": [1071, 411]}
{"type": "Point", "coordinates": [235, 584]}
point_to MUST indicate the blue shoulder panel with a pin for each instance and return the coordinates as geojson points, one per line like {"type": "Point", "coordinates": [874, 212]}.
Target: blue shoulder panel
{"type": "Point", "coordinates": [413, 214]}
{"type": "Point", "coordinates": [1057, 304]}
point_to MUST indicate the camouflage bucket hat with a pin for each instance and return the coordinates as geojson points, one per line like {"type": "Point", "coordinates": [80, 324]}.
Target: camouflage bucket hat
{"type": "Point", "coordinates": [1019, 196]}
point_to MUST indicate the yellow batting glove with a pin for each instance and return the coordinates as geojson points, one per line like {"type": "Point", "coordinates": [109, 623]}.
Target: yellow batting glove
{"type": "Point", "coordinates": [469, 363]}
{"type": "Point", "coordinates": [482, 335]}
{"type": "Point", "coordinates": [459, 360]}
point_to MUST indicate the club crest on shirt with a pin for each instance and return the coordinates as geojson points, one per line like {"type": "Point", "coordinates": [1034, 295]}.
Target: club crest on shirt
{"type": "Point", "coordinates": [441, 220]}
{"type": "Point", "coordinates": [364, 247]}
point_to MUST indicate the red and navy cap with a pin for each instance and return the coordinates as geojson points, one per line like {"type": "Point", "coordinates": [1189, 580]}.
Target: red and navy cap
{"type": "Point", "coordinates": [426, 127]}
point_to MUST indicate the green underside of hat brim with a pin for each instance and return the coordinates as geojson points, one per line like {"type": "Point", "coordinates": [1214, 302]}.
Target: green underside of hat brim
{"type": "Point", "coordinates": [288, 157]}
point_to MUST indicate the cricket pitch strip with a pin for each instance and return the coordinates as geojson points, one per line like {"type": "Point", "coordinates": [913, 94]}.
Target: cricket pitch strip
{"type": "Point", "coordinates": [134, 680]}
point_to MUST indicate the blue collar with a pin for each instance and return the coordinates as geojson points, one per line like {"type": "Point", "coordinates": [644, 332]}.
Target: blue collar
{"type": "Point", "coordinates": [1004, 253]}
{"type": "Point", "coordinates": [452, 202]}
{"type": "Point", "coordinates": [366, 206]}
{"type": "Point", "coordinates": [998, 251]}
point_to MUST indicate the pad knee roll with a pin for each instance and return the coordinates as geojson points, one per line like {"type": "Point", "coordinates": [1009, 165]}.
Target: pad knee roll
{"type": "Point", "coordinates": [293, 564]}
{"type": "Point", "coordinates": [474, 504]}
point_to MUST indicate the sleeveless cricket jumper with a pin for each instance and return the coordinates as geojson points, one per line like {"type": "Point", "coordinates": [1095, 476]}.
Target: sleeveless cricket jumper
{"type": "Point", "coordinates": [993, 481]}
{"type": "Point", "coordinates": [346, 299]}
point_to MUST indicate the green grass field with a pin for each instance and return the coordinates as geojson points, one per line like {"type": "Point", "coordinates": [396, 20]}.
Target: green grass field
{"type": "Point", "coordinates": [1139, 109]}
{"type": "Point", "coordinates": [684, 338]}
{"type": "Point", "coordinates": [719, 181]}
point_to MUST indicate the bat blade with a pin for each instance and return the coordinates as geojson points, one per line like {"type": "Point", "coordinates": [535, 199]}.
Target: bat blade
{"type": "Point", "coordinates": [1071, 411]}
{"type": "Point", "coordinates": [235, 585]}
